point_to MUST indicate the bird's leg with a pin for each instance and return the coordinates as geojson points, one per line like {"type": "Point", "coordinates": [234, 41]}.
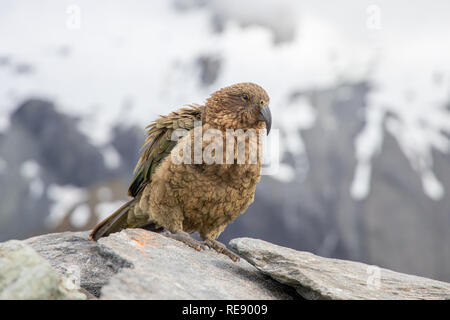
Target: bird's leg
{"type": "Point", "coordinates": [185, 238]}
{"type": "Point", "coordinates": [220, 248]}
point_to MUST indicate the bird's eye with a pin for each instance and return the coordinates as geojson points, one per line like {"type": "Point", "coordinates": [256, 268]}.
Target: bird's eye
{"type": "Point", "coordinates": [261, 103]}
{"type": "Point", "coordinates": [245, 97]}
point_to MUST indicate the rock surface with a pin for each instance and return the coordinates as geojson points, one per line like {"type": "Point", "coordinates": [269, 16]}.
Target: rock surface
{"type": "Point", "coordinates": [24, 274]}
{"type": "Point", "coordinates": [316, 277]}
{"type": "Point", "coordinates": [71, 250]}
{"type": "Point", "coordinates": [138, 264]}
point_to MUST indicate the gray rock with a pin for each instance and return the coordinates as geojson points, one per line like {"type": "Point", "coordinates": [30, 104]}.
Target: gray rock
{"type": "Point", "coordinates": [96, 263]}
{"type": "Point", "coordinates": [316, 277]}
{"type": "Point", "coordinates": [209, 66]}
{"type": "Point", "coordinates": [26, 275]}
{"type": "Point", "coordinates": [139, 264]}
{"type": "Point", "coordinates": [167, 269]}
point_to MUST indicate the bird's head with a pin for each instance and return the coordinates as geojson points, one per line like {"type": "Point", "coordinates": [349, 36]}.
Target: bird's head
{"type": "Point", "coordinates": [239, 106]}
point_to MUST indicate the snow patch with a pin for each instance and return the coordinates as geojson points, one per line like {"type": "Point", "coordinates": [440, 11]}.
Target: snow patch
{"type": "Point", "coordinates": [80, 216]}
{"type": "Point", "coordinates": [29, 169]}
{"type": "Point", "coordinates": [360, 186]}
{"type": "Point", "coordinates": [105, 209]}
{"type": "Point", "coordinates": [64, 199]}
{"type": "Point", "coordinates": [285, 173]}
{"type": "Point", "coordinates": [111, 157]}
{"type": "Point", "coordinates": [431, 186]}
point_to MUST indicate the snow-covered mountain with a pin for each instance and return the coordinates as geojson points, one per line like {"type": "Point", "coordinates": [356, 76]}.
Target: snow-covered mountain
{"type": "Point", "coordinates": [109, 61]}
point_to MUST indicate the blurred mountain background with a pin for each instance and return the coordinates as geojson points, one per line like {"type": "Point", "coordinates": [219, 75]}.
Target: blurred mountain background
{"type": "Point", "coordinates": [359, 95]}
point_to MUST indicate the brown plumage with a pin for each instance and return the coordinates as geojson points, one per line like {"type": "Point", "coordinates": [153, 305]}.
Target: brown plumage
{"type": "Point", "coordinates": [195, 196]}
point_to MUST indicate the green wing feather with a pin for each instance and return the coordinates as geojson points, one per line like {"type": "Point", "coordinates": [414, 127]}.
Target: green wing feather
{"type": "Point", "coordinates": [158, 144]}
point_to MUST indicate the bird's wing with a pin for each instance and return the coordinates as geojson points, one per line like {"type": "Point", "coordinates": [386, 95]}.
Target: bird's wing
{"type": "Point", "coordinates": [158, 144]}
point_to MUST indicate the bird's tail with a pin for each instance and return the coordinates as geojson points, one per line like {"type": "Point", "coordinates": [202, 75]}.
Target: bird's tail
{"type": "Point", "coordinates": [114, 223]}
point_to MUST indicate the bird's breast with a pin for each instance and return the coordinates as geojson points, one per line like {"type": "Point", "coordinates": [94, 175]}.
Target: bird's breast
{"type": "Point", "coordinates": [215, 195]}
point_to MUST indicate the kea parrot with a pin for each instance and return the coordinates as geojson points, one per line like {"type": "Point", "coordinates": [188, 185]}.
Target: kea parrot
{"type": "Point", "coordinates": [183, 197]}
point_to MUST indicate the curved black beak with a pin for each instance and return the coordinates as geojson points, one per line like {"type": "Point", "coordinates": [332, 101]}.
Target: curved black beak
{"type": "Point", "coordinates": [266, 116]}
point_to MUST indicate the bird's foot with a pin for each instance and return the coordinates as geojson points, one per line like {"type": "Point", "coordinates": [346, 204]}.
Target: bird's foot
{"type": "Point", "coordinates": [185, 238]}
{"type": "Point", "coordinates": [221, 248]}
